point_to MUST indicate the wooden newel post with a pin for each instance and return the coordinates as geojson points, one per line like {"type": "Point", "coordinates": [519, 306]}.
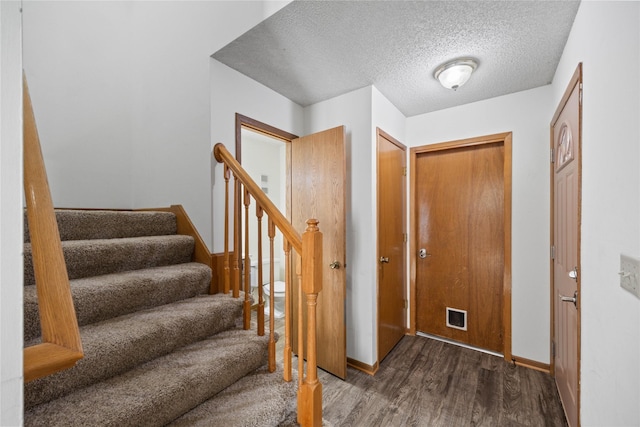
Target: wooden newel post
{"type": "Point", "coordinates": [310, 393]}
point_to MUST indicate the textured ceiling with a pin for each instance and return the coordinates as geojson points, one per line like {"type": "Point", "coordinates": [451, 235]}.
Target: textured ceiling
{"type": "Point", "coordinates": [311, 51]}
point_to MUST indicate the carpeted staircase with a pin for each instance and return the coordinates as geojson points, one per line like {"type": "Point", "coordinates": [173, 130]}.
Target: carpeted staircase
{"type": "Point", "coordinates": [158, 349]}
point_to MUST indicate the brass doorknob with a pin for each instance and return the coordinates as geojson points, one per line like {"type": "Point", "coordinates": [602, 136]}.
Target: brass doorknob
{"type": "Point", "coordinates": [384, 259]}
{"type": "Point", "coordinates": [335, 265]}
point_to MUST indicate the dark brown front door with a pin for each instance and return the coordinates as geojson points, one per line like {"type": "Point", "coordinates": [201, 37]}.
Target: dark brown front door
{"type": "Point", "coordinates": [460, 264]}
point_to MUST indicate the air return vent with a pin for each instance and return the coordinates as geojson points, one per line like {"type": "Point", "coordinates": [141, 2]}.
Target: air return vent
{"type": "Point", "coordinates": [456, 319]}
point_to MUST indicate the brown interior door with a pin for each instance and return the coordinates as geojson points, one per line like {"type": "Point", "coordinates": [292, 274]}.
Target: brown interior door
{"type": "Point", "coordinates": [391, 246]}
{"type": "Point", "coordinates": [318, 179]}
{"type": "Point", "coordinates": [566, 271]}
{"type": "Point", "coordinates": [460, 233]}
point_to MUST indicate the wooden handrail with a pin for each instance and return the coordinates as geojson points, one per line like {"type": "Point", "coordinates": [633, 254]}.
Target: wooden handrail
{"type": "Point", "coordinates": [61, 345]}
{"type": "Point", "coordinates": [308, 248]}
{"type": "Point", "coordinates": [222, 155]}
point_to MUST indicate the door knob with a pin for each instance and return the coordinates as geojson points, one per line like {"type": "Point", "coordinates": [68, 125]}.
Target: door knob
{"type": "Point", "coordinates": [574, 273]}
{"type": "Point", "coordinates": [422, 253]}
{"type": "Point", "coordinates": [573, 299]}
{"type": "Point", "coordinates": [384, 259]}
{"type": "Point", "coordinates": [335, 265]}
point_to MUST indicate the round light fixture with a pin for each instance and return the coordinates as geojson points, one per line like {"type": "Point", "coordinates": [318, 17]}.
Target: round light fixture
{"type": "Point", "coordinates": [455, 73]}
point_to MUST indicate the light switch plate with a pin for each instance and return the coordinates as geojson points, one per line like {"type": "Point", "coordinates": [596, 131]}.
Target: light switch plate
{"type": "Point", "coordinates": [630, 274]}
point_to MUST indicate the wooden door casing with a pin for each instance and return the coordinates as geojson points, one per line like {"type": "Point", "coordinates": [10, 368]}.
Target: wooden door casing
{"type": "Point", "coordinates": [318, 182]}
{"type": "Point", "coordinates": [391, 243]}
{"type": "Point", "coordinates": [565, 238]}
{"type": "Point", "coordinates": [499, 200]}
{"type": "Point", "coordinates": [247, 123]}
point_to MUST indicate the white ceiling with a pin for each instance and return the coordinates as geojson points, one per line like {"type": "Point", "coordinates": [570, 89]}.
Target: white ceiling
{"type": "Point", "coordinates": [311, 51]}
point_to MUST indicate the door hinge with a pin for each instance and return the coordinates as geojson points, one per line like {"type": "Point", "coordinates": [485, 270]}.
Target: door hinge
{"type": "Point", "coordinates": [553, 252]}
{"type": "Point", "coordinates": [404, 237]}
{"type": "Point", "coordinates": [553, 155]}
{"type": "Point", "coordinates": [404, 171]}
{"type": "Point", "coordinates": [580, 93]}
{"type": "Point", "coordinates": [553, 349]}
{"type": "Point", "coordinates": [406, 304]}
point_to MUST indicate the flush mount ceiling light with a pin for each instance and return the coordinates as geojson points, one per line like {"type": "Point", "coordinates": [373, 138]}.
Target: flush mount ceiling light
{"type": "Point", "coordinates": [455, 73]}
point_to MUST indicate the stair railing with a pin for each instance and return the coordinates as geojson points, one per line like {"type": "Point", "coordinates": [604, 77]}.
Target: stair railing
{"type": "Point", "coordinates": [61, 346]}
{"type": "Point", "coordinates": [308, 257]}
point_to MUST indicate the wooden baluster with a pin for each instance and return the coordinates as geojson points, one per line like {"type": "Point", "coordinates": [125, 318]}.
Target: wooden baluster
{"type": "Point", "coordinates": [259, 282]}
{"type": "Point", "coordinates": [236, 237]}
{"type": "Point", "coordinates": [247, 264]}
{"type": "Point", "coordinates": [310, 394]}
{"type": "Point", "coordinates": [309, 285]}
{"type": "Point", "coordinates": [287, 311]}
{"type": "Point", "coordinates": [300, 322]}
{"type": "Point", "coordinates": [227, 273]}
{"type": "Point", "coordinates": [272, 323]}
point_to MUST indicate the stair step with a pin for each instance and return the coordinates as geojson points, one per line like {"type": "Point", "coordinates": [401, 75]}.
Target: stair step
{"type": "Point", "coordinates": [102, 297]}
{"type": "Point", "coordinates": [259, 399]}
{"type": "Point", "coordinates": [156, 345]}
{"type": "Point", "coordinates": [157, 392]}
{"type": "Point", "coordinates": [85, 258]}
{"type": "Point", "coordinates": [116, 345]}
{"type": "Point", "coordinates": [103, 224]}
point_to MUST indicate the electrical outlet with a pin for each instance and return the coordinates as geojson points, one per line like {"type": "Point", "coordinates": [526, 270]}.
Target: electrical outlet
{"type": "Point", "coordinates": [630, 274]}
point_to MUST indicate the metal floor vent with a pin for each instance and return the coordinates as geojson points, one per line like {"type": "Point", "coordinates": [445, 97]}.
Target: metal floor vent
{"type": "Point", "coordinates": [456, 318]}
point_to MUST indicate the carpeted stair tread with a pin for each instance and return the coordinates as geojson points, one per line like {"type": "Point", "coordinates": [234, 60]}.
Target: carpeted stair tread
{"type": "Point", "coordinates": [156, 345]}
{"type": "Point", "coordinates": [113, 346]}
{"type": "Point", "coordinates": [102, 297]}
{"type": "Point", "coordinates": [105, 224]}
{"type": "Point", "coordinates": [259, 399]}
{"type": "Point", "coordinates": [157, 392]}
{"type": "Point", "coordinates": [85, 258]}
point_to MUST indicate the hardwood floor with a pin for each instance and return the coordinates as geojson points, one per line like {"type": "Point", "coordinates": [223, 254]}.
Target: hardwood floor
{"type": "Point", "coordinates": [425, 382]}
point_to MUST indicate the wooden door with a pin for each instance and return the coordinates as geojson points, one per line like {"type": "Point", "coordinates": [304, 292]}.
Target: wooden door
{"type": "Point", "coordinates": [318, 180]}
{"type": "Point", "coordinates": [566, 189]}
{"type": "Point", "coordinates": [460, 203]}
{"type": "Point", "coordinates": [391, 247]}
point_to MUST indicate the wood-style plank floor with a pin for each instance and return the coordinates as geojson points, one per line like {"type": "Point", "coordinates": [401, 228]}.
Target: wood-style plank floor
{"type": "Point", "coordinates": [425, 382]}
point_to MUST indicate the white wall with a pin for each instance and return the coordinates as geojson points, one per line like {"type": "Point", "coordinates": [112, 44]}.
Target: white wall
{"type": "Point", "coordinates": [77, 58]}
{"type": "Point", "coordinates": [527, 114]}
{"type": "Point", "coordinates": [231, 93]}
{"type": "Point", "coordinates": [605, 34]}
{"type": "Point", "coordinates": [11, 272]}
{"type": "Point", "coordinates": [122, 98]}
{"type": "Point", "coordinates": [171, 130]}
{"type": "Point", "coordinates": [387, 117]}
{"type": "Point", "coordinates": [353, 110]}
